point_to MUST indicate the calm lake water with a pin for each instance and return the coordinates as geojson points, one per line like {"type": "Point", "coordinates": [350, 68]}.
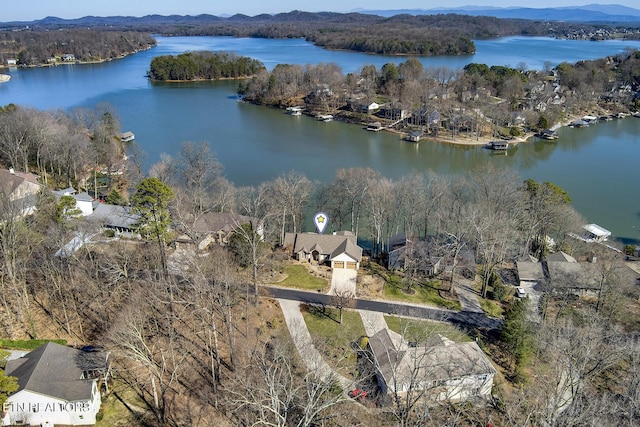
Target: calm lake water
{"type": "Point", "coordinates": [598, 166]}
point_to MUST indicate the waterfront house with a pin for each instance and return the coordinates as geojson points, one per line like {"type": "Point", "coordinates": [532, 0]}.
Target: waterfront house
{"type": "Point", "coordinates": [58, 385]}
{"type": "Point", "coordinates": [68, 57]}
{"type": "Point", "coordinates": [439, 369]}
{"type": "Point", "coordinates": [339, 250]}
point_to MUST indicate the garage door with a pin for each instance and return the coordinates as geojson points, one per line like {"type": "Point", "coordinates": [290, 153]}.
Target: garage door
{"type": "Point", "coordinates": [338, 264]}
{"type": "Point", "coordinates": [351, 265]}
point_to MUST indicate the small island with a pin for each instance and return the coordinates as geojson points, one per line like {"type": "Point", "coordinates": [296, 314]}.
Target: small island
{"type": "Point", "coordinates": [195, 66]}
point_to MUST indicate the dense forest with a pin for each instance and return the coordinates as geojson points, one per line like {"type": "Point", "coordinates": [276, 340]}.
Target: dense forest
{"type": "Point", "coordinates": [478, 101]}
{"type": "Point", "coordinates": [41, 47]}
{"type": "Point", "coordinates": [192, 344]}
{"type": "Point", "coordinates": [203, 66]}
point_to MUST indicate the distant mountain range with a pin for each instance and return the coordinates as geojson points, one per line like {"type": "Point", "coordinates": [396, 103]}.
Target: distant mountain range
{"type": "Point", "coordinates": [591, 13]}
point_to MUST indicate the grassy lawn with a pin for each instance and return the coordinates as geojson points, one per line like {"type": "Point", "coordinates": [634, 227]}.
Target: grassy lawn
{"type": "Point", "coordinates": [26, 344]}
{"type": "Point", "coordinates": [490, 307]}
{"type": "Point", "coordinates": [113, 412]}
{"type": "Point", "coordinates": [421, 330]}
{"type": "Point", "coordinates": [426, 293]}
{"type": "Point", "coordinates": [333, 339]}
{"type": "Point", "coordinates": [299, 277]}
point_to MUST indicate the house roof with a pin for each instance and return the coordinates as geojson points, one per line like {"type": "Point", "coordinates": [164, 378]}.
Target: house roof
{"type": "Point", "coordinates": [439, 358]}
{"type": "Point", "coordinates": [115, 216]}
{"type": "Point", "coordinates": [560, 257]}
{"type": "Point", "coordinates": [220, 221]}
{"type": "Point", "coordinates": [10, 181]}
{"type": "Point", "coordinates": [573, 275]}
{"type": "Point", "coordinates": [69, 191]}
{"type": "Point", "coordinates": [326, 244]}
{"type": "Point", "coordinates": [83, 197]}
{"type": "Point", "coordinates": [530, 271]}
{"type": "Point", "coordinates": [348, 247]}
{"type": "Point", "coordinates": [54, 370]}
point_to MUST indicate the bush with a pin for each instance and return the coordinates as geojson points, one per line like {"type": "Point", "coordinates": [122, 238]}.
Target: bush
{"type": "Point", "coordinates": [500, 290]}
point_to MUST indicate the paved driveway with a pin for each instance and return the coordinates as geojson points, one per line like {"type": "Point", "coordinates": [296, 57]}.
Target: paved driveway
{"type": "Point", "coordinates": [343, 281]}
{"type": "Point", "coordinates": [303, 342]}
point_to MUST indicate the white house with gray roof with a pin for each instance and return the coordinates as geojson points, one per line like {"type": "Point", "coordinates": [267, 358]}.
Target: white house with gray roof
{"type": "Point", "coordinates": [57, 386]}
{"type": "Point", "coordinates": [339, 249]}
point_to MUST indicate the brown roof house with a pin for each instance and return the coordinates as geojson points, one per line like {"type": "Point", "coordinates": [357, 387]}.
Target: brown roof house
{"type": "Point", "coordinates": [339, 249]}
{"type": "Point", "coordinates": [439, 369]}
{"type": "Point", "coordinates": [20, 189]}
{"type": "Point", "coordinates": [58, 385]}
{"type": "Point", "coordinates": [215, 228]}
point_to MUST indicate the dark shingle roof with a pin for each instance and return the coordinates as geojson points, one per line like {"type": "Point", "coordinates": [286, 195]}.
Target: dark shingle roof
{"type": "Point", "coordinates": [53, 370]}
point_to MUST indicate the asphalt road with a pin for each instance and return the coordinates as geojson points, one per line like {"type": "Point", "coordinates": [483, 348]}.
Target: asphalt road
{"type": "Point", "coordinates": [461, 318]}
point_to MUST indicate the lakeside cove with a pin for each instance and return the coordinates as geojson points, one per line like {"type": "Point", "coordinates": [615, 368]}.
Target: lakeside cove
{"type": "Point", "coordinates": [256, 144]}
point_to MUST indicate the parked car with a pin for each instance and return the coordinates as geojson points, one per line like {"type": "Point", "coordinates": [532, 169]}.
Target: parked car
{"type": "Point", "coordinates": [521, 293]}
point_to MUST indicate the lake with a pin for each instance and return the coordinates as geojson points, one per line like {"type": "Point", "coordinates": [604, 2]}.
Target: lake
{"type": "Point", "coordinates": [597, 165]}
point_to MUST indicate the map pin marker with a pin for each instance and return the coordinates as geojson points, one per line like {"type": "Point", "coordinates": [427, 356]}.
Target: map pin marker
{"type": "Point", "coordinates": [320, 220]}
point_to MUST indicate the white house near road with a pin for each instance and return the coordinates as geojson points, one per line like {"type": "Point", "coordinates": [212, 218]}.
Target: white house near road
{"type": "Point", "coordinates": [57, 386]}
{"type": "Point", "coordinates": [84, 202]}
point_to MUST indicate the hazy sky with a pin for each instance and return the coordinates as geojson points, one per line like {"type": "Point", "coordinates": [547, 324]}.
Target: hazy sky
{"type": "Point", "coordinates": [27, 10]}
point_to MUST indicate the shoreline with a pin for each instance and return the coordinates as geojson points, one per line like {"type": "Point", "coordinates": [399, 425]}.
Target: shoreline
{"type": "Point", "coordinates": [78, 62]}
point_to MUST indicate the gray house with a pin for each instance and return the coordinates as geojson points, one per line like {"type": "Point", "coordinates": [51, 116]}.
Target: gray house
{"type": "Point", "coordinates": [440, 368]}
